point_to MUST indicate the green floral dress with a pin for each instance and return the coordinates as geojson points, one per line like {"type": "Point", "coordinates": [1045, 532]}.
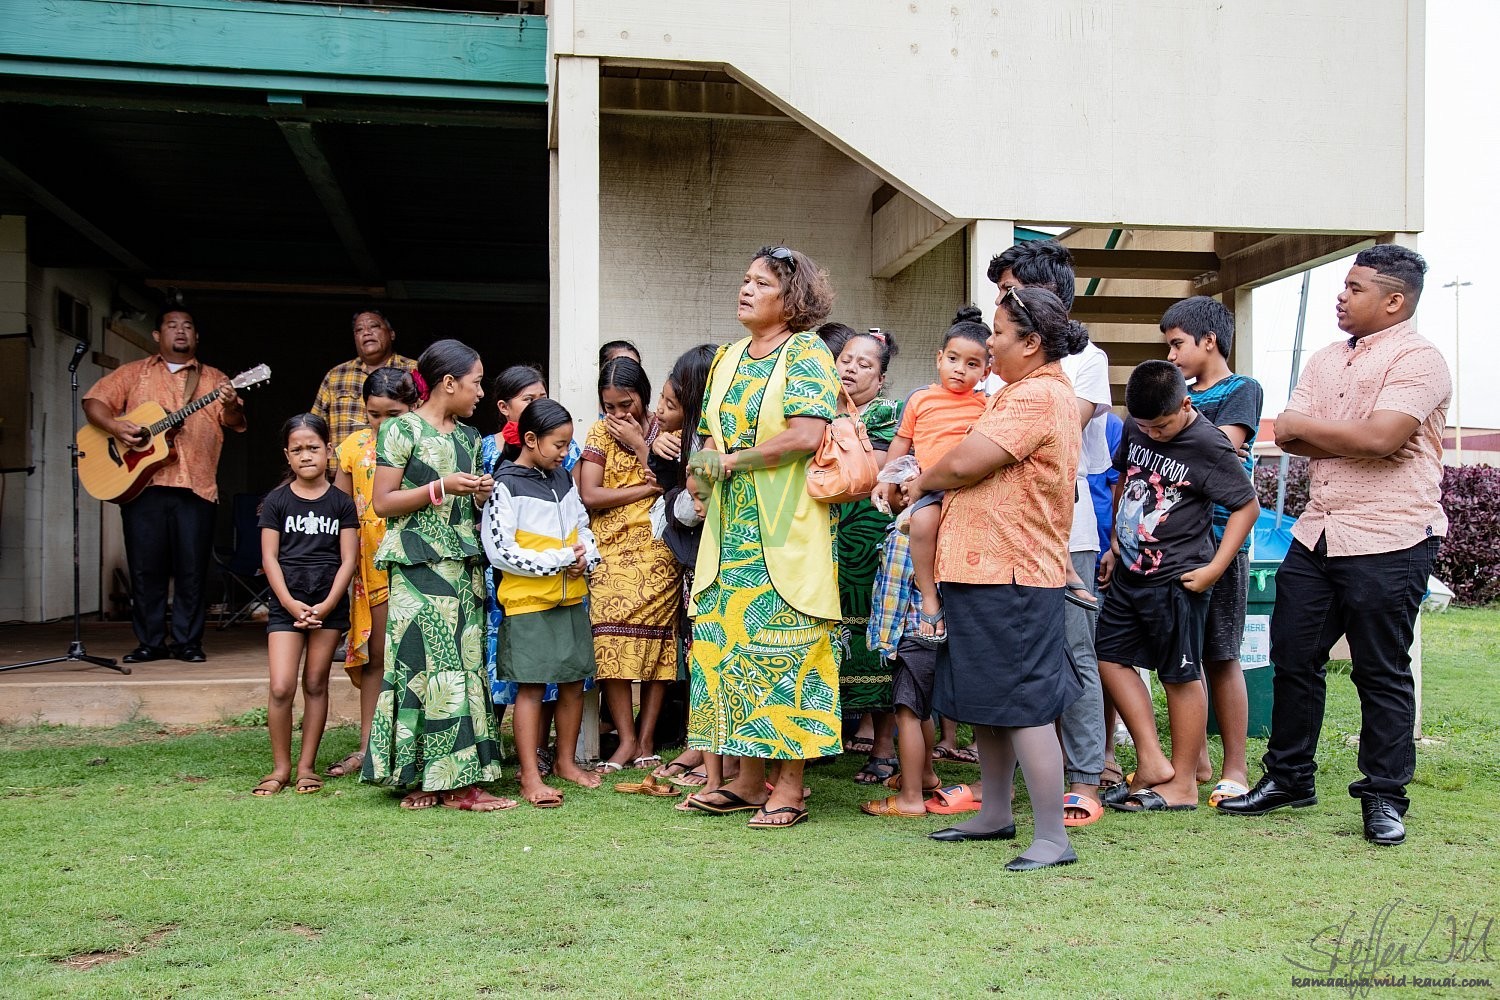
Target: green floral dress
{"type": "Point", "coordinates": [433, 727]}
{"type": "Point", "coordinates": [764, 677]}
{"type": "Point", "coordinates": [865, 677]}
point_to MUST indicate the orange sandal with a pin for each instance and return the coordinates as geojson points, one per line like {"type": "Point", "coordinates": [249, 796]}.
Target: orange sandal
{"type": "Point", "coordinates": [952, 800]}
{"type": "Point", "coordinates": [1092, 809]}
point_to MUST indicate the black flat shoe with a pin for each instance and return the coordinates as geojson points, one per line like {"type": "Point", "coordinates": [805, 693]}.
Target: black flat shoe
{"type": "Point", "coordinates": [1383, 824]}
{"type": "Point", "coordinates": [190, 654]}
{"type": "Point", "coordinates": [953, 835]}
{"type": "Point", "coordinates": [146, 654]}
{"type": "Point", "coordinates": [1268, 795]}
{"type": "Point", "coordinates": [1024, 864]}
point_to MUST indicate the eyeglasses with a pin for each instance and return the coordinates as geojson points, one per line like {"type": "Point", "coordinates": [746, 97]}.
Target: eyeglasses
{"type": "Point", "coordinates": [1010, 293]}
{"type": "Point", "coordinates": [784, 256]}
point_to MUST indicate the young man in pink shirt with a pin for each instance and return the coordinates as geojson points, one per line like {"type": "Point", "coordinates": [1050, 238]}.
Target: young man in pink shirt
{"type": "Point", "coordinates": [1369, 413]}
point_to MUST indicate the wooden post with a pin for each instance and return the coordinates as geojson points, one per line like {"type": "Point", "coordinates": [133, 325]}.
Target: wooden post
{"type": "Point", "coordinates": [986, 238]}
{"type": "Point", "coordinates": [574, 204]}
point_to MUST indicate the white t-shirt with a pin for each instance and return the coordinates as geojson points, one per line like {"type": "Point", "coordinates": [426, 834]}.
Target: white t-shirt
{"type": "Point", "coordinates": [1088, 370]}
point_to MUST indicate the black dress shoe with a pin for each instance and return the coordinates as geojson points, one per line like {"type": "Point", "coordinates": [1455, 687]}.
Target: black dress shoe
{"type": "Point", "coordinates": [953, 835]}
{"type": "Point", "coordinates": [190, 654]}
{"type": "Point", "coordinates": [1024, 864]}
{"type": "Point", "coordinates": [1266, 796]}
{"type": "Point", "coordinates": [146, 654]}
{"type": "Point", "coordinates": [1382, 822]}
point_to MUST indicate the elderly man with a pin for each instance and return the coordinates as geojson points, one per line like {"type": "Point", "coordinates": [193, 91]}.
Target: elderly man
{"type": "Point", "coordinates": [1369, 412]}
{"type": "Point", "coordinates": [340, 399]}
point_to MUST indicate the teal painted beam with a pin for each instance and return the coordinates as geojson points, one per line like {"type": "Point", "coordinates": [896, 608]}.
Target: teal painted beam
{"type": "Point", "coordinates": [295, 47]}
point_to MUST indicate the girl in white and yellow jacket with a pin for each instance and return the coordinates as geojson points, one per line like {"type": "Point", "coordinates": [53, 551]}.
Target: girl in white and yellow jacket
{"type": "Point", "coordinates": [536, 535]}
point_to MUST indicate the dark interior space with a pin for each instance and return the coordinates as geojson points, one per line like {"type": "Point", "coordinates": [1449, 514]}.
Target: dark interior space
{"type": "Point", "coordinates": [273, 225]}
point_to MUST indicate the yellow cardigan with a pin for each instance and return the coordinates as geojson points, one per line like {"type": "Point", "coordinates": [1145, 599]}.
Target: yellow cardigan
{"type": "Point", "coordinates": [796, 534]}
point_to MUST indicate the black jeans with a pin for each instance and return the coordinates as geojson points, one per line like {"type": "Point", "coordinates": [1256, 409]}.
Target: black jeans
{"type": "Point", "coordinates": [169, 535]}
{"type": "Point", "coordinates": [1372, 599]}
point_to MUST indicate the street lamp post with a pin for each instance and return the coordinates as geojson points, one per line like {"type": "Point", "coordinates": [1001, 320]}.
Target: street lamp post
{"type": "Point", "coordinates": [1458, 423]}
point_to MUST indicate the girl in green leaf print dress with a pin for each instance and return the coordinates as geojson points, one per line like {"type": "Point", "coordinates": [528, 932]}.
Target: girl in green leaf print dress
{"type": "Point", "coordinates": [433, 731]}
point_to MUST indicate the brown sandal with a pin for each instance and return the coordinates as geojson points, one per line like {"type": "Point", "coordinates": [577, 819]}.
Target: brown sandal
{"type": "Point", "coordinates": [269, 785]}
{"type": "Point", "coordinates": [349, 765]}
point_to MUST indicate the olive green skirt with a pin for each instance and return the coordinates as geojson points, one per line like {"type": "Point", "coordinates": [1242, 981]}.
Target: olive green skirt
{"type": "Point", "coordinates": [555, 646]}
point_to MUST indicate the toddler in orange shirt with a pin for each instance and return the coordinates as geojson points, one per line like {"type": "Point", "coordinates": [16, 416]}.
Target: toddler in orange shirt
{"type": "Point", "coordinates": [933, 420]}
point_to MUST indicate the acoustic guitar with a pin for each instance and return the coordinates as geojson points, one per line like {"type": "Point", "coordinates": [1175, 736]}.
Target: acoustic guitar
{"type": "Point", "coordinates": [111, 469]}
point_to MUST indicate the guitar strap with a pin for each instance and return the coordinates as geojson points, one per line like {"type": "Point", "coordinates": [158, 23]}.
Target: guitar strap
{"type": "Point", "coordinates": [190, 387]}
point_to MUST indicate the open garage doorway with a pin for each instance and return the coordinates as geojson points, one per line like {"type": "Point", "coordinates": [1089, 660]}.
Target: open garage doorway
{"type": "Point", "coordinates": [272, 224]}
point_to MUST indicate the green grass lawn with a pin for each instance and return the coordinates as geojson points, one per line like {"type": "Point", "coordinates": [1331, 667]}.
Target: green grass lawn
{"type": "Point", "coordinates": [136, 864]}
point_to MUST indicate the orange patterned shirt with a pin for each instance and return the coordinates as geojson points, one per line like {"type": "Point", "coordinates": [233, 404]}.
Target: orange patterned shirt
{"type": "Point", "coordinates": [1012, 526]}
{"type": "Point", "coordinates": [1370, 505]}
{"type": "Point", "coordinates": [199, 442]}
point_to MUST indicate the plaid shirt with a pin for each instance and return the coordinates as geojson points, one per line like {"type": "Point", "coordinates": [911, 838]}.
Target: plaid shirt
{"type": "Point", "coordinates": [340, 399]}
{"type": "Point", "coordinates": [895, 600]}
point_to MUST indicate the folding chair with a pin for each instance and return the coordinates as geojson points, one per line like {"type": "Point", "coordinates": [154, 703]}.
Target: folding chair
{"type": "Point", "coordinates": [240, 567]}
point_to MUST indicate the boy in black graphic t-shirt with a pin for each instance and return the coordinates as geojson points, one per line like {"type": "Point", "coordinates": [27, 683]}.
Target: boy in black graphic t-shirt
{"type": "Point", "coordinates": [1174, 466]}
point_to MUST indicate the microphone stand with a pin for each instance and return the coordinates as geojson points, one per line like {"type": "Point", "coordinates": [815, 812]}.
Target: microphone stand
{"type": "Point", "coordinates": [76, 652]}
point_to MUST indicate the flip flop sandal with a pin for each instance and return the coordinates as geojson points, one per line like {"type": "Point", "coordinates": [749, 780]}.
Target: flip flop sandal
{"type": "Point", "coordinates": [553, 801]}
{"type": "Point", "coordinates": [665, 771]}
{"type": "Point", "coordinates": [1072, 596]}
{"type": "Point", "coordinates": [267, 787]}
{"type": "Point", "coordinates": [309, 786]}
{"type": "Point", "coordinates": [608, 767]}
{"type": "Point", "coordinates": [1226, 789]}
{"type": "Point", "coordinates": [654, 760]}
{"type": "Point", "coordinates": [758, 822]}
{"type": "Point", "coordinates": [1092, 809]}
{"type": "Point", "coordinates": [545, 762]}
{"type": "Point", "coordinates": [681, 780]}
{"type": "Point", "coordinates": [732, 803]}
{"type": "Point", "coordinates": [962, 755]}
{"type": "Point", "coordinates": [877, 769]}
{"type": "Point", "coordinates": [406, 802]}
{"type": "Point", "coordinates": [894, 784]}
{"type": "Point", "coordinates": [1147, 800]}
{"type": "Point", "coordinates": [469, 801]}
{"type": "Point", "coordinates": [888, 808]}
{"type": "Point", "coordinates": [349, 765]}
{"type": "Point", "coordinates": [952, 800]}
{"type": "Point", "coordinates": [938, 638]}
{"type": "Point", "coordinates": [859, 745]}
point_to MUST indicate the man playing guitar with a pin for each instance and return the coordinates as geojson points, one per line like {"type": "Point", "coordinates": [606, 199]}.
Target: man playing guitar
{"type": "Point", "coordinates": [169, 527]}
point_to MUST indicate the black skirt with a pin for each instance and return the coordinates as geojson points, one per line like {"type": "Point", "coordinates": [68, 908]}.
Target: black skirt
{"type": "Point", "coordinates": [1006, 661]}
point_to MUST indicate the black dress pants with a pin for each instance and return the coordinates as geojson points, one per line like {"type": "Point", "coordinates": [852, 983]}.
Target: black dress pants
{"type": "Point", "coordinates": [1372, 599]}
{"type": "Point", "coordinates": [168, 537]}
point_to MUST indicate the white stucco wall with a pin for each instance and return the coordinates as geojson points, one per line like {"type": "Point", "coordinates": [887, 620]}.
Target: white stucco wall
{"type": "Point", "coordinates": [684, 203]}
{"type": "Point", "coordinates": [1297, 115]}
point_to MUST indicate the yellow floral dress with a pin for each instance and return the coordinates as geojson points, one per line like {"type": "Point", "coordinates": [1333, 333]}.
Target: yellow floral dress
{"type": "Point", "coordinates": [356, 456]}
{"type": "Point", "coordinates": [634, 595]}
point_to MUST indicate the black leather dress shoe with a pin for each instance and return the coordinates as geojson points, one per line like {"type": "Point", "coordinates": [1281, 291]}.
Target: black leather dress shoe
{"type": "Point", "coordinates": [1268, 795]}
{"type": "Point", "coordinates": [190, 654]}
{"type": "Point", "coordinates": [1382, 822]}
{"type": "Point", "coordinates": [953, 835]}
{"type": "Point", "coordinates": [146, 654]}
{"type": "Point", "coordinates": [1024, 864]}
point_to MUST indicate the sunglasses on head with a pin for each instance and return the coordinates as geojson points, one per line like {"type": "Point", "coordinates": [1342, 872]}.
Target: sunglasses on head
{"type": "Point", "coordinates": [1010, 293]}
{"type": "Point", "coordinates": [784, 256]}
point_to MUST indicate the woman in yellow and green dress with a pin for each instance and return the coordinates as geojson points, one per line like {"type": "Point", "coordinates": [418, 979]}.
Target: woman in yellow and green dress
{"type": "Point", "coordinates": [388, 392]}
{"type": "Point", "coordinates": [764, 665]}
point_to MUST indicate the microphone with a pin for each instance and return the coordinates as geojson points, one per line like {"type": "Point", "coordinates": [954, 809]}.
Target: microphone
{"type": "Point", "coordinates": [78, 353]}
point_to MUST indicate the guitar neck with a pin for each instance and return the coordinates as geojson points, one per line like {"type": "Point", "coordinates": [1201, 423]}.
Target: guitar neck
{"type": "Point", "coordinates": [176, 417]}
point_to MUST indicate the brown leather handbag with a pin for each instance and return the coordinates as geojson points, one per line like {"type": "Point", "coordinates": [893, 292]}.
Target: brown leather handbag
{"type": "Point", "coordinates": [843, 469]}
